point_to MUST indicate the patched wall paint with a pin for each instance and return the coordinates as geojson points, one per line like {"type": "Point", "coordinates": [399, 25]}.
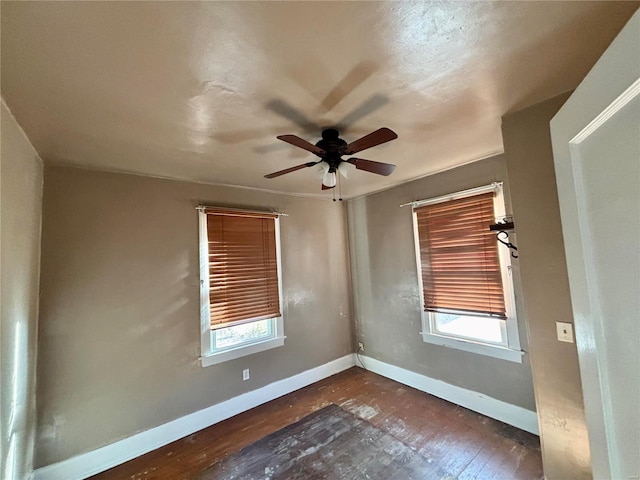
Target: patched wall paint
{"type": "Point", "coordinates": [120, 322]}
{"type": "Point", "coordinates": [20, 220]}
{"type": "Point", "coordinates": [547, 300]}
{"type": "Point", "coordinates": [386, 292]}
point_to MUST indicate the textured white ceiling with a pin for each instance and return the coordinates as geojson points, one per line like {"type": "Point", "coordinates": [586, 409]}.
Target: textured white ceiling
{"type": "Point", "coordinates": [199, 91]}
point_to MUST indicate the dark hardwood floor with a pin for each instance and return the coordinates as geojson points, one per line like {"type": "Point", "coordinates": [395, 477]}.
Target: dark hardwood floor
{"type": "Point", "coordinates": [463, 443]}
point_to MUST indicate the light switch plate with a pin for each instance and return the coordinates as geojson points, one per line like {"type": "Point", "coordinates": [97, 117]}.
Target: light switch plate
{"type": "Point", "coordinates": [565, 331]}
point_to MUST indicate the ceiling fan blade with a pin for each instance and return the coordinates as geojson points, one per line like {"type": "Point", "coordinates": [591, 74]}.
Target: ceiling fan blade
{"type": "Point", "coordinates": [324, 187]}
{"type": "Point", "coordinates": [371, 166]}
{"type": "Point", "coordinates": [289, 170]}
{"type": "Point", "coordinates": [369, 106]}
{"type": "Point", "coordinates": [300, 142]}
{"type": "Point", "coordinates": [282, 108]}
{"type": "Point", "coordinates": [355, 77]}
{"type": "Point", "coordinates": [378, 137]}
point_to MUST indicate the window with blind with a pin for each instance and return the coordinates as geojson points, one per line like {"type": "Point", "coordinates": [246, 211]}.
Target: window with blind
{"type": "Point", "coordinates": [240, 283]}
{"type": "Point", "coordinates": [465, 280]}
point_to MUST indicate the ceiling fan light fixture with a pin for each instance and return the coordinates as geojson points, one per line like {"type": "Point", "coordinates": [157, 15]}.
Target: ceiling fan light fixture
{"type": "Point", "coordinates": [323, 169]}
{"type": "Point", "coordinates": [329, 180]}
{"type": "Point", "coordinates": [345, 169]}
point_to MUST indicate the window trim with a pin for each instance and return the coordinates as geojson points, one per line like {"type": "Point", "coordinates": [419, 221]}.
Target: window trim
{"type": "Point", "coordinates": [511, 351]}
{"type": "Point", "coordinates": [207, 355]}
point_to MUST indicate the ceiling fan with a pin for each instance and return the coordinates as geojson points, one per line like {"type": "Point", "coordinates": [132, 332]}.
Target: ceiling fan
{"type": "Point", "coordinates": [331, 149]}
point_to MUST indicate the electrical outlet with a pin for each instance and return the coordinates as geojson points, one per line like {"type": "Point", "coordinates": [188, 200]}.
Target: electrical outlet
{"type": "Point", "coordinates": [245, 375]}
{"type": "Point", "coordinates": [360, 347]}
{"type": "Point", "coordinates": [565, 332]}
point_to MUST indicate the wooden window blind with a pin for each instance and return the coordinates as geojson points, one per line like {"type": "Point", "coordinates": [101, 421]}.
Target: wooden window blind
{"type": "Point", "coordinates": [243, 267]}
{"type": "Point", "coordinates": [459, 257]}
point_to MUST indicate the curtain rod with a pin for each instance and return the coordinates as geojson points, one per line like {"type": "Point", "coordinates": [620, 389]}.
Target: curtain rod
{"type": "Point", "coordinates": [464, 193]}
{"type": "Point", "coordinates": [241, 210]}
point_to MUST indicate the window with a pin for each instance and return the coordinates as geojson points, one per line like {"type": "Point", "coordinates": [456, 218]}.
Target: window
{"type": "Point", "coordinates": [465, 279]}
{"type": "Point", "coordinates": [240, 284]}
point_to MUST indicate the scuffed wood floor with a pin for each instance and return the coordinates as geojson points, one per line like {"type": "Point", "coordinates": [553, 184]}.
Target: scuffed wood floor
{"type": "Point", "coordinates": [463, 443]}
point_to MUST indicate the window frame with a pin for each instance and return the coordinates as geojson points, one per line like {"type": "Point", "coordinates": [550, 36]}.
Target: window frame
{"type": "Point", "coordinates": [208, 354]}
{"type": "Point", "coordinates": [510, 350]}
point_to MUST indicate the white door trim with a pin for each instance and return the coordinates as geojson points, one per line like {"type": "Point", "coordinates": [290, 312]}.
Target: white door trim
{"type": "Point", "coordinates": [623, 99]}
{"type": "Point", "coordinates": [612, 83]}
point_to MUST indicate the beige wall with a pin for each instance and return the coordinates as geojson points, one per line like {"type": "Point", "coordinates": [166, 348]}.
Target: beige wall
{"type": "Point", "coordinates": [20, 219]}
{"type": "Point", "coordinates": [119, 326]}
{"type": "Point", "coordinates": [545, 284]}
{"type": "Point", "coordinates": [387, 297]}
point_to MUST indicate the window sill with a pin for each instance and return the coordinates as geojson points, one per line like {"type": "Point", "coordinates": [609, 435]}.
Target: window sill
{"type": "Point", "coordinates": [473, 347]}
{"type": "Point", "coordinates": [242, 351]}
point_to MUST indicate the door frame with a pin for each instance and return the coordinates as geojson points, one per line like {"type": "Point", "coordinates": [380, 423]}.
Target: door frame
{"type": "Point", "coordinates": [617, 76]}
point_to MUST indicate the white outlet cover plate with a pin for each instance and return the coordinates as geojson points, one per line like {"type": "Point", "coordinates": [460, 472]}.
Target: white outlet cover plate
{"type": "Point", "coordinates": [565, 331]}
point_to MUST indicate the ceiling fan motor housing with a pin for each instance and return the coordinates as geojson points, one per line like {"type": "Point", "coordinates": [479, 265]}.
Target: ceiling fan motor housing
{"type": "Point", "coordinates": [333, 146]}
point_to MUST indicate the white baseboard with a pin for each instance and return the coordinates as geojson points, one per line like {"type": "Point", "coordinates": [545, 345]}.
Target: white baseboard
{"type": "Point", "coordinates": [101, 459]}
{"type": "Point", "coordinates": [478, 402]}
